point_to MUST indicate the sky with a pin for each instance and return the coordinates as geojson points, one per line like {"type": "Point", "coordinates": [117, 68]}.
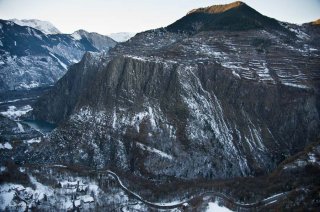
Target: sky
{"type": "Point", "coordinates": [109, 16]}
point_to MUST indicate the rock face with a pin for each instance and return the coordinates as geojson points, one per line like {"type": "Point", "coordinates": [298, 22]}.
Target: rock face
{"type": "Point", "coordinates": [100, 42]}
{"type": "Point", "coordinates": [206, 103]}
{"type": "Point", "coordinates": [30, 58]}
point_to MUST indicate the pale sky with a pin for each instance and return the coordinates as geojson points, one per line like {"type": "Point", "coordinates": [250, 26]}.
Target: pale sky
{"type": "Point", "coordinates": [106, 16]}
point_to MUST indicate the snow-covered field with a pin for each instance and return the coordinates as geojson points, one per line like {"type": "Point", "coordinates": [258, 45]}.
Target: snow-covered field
{"type": "Point", "coordinates": [15, 113]}
{"type": "Point", "coordinates": [215, 207]}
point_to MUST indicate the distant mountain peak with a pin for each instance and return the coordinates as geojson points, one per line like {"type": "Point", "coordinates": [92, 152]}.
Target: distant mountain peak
{"type": "Point", "coordinates": [316, 22]}
{"type": "Point", "coordinates": [234, 16]}
{"type": "Point", "coordinates": [122, 36]}
{"type": "Point", "coordinates": [215, 9]}
{"type": "Point", "coordinates": [44, 26]}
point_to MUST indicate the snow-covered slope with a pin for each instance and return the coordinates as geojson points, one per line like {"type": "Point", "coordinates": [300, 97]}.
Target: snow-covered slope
{"type": "Point", "coordinates": [44, 26]}
{"type": "Point", "coordinates": [121, 36]}
{"type": "Point", "coordinates": [30, 58]}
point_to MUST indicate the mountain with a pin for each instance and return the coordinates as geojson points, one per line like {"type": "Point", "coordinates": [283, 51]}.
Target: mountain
{"type": "Point", "coordinates": [121, 36]}
{"type": "Point", "coordinates": [229, 106]}
{"type": "Point", "coordinates": [100, 42]}
{"type": "Point", "coordinates": [43, 26]}
{"type": "Point", "coordinates": [240, 100]}
{"type": "Point", "coordinates": [316, 22]}
{"type": "Point", "coordinates": [234, 16]}
{"type": "Point", "coordinates": [26, 53]}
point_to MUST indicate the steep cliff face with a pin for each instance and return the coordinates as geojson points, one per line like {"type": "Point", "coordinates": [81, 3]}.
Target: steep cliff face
{"type": "Point", "coordinates": [215, 104]}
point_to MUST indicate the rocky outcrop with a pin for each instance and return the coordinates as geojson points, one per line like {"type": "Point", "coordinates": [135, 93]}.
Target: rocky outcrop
{"type": "Point", "coordinates": [215, 104]}
{"type": "Point", "coordinates": [100, 42]}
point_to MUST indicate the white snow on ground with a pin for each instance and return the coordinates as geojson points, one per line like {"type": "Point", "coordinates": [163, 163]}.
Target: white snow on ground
{"type": "Point", "coordinates": [295, 85]}
{"type": "Point", "coordinates": [33, 140]}
{"type": "Point", "coordinates": [6, 196]}
{"type": "Point", "coordinates": [68, 205]}
{"type": "Point", "coordinates": [5, 146]}
{"type": "Point", "coordinates": [76, 35]}
{"type": "Point", "coordinates": [153, 150]}
{"type": "Point", "coordinates": [299, 33]}
{"type": "Point", "coordinates": [40, 188]}
{"type": "Point", "coordinates": [236, 74]}
{"type": "Point", "coordinates": [14, 113]}
{"type": "Point", "coordinates": [77, 203]}
{"type": "Point", "coordinates": [30, 85]}
{"type": "Point", "coordinates": [20, 127]}
{"type": "Point", "coordinates": [58, 165]}
{"type": "Point", "coordinates": [86, 198]}
{"type": "Point", "coordinates": [114, 122]}
{"type": "Point", "coordinates": [312, 158]}
{"type": "Point", "coordinates": [3, 168]}
{"type": "Point", "coordinates": [16, 100]}
{"type": "Point", "coordinates": [214, 207]}
{"type": "Point", "coordinates": [152, 119]}
{"type": "Point", "coordinates": [59, 61]}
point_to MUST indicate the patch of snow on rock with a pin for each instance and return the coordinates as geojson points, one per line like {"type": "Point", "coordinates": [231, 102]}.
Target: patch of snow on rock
{"type": "Point", "coordinates": [214, 207]}
{"type": "Point", "coordinates": [14, 113]}
{"type": "Point", "coordinates": [33, 140]}
{"type": "Point", "coordinates": [7, 145]}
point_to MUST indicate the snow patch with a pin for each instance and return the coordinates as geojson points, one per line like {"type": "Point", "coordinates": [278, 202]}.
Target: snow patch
{"type": "Point", "coordinates": [153, 150]}
{"type": "Point", "coordinates": [214, 207]}
{"type": "Point", "coordinates": [7, 145]}
{"type": "Point", "coordinates": [2, 169]}
{"type": "Point", "coordinates": [20, 127]}
{"type": "Point", "coordinates": [33, 140]}
{"type": "Point", "coordinates": [40, 188]}
{"type": "Point", "coordinates": [76, 36]}
{"type": "Point", "coordinates": [59, 61]}
{"type": "Point", "coordinates": [14, 113]}
{"type": "Point", "coordinates": [152, 120]}
{"type": "Point", "coordinates": [295, 85]}
{"type": "Point", "coordinates": [86, 198]}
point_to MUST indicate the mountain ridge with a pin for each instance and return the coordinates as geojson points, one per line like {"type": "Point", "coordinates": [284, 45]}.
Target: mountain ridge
{"type": "Point", "coordinates": [217, 8]}
{"type": "Point", "coordinates": [26, 53]}
{"type": "Point", "coordinates": [235, 16]}
{"type": "Point", "coordinates": [44, 26]}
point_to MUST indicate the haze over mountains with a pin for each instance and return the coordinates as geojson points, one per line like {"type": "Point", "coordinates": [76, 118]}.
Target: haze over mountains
{"type": "Point", "coordinates": [222, 104]}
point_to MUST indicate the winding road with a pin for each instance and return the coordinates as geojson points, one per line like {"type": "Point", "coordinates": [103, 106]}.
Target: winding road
{"type": "Point", "coordinates": [172, 205]}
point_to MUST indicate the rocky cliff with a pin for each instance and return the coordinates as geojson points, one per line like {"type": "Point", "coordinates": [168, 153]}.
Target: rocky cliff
{"type": "Point", "coordinates": [214, 103]}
